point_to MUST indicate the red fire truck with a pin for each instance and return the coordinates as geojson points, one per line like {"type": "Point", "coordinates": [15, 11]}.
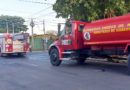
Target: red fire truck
{"type": "Point", "coordinates": [107, 38]}
{"type": "Point", "coordinates": [17, 43]}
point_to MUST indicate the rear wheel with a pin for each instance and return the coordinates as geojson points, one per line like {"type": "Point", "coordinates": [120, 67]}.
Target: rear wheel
{"type": "Point", "coordinates": [54, 57]}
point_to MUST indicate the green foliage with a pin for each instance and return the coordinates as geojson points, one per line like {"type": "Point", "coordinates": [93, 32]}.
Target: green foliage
{"type": "Point", "coordinates": [10, 20]}
{"type": "Point", "coordinates": [91, 9]}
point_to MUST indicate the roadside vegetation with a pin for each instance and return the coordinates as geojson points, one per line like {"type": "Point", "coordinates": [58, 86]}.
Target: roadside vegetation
{"type": "Point", "coordinates": [91, 9]}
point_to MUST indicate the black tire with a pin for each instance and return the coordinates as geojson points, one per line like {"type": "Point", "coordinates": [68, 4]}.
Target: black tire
{"type": "Point", "coordinates": [128, 64]}
{"type": "Point", "coordinates": [54, 57]}
{"type": "Point", "coordinates": [81, 61]}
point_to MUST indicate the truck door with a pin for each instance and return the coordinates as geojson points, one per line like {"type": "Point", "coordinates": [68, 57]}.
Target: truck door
{"type": "Point", "coordinates": [66, 37]}
{"type": "Point", "coordinates": [79, 36]}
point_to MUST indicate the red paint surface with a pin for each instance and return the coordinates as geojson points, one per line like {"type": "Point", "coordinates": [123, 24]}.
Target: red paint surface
{"type": "Point", "coordinates": [117, 37]}
{"type": "Point", "coordinates": [114, 38]}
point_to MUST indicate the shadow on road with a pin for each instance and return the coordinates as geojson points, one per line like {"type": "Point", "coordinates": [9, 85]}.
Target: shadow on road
{"type": "Point", "coordinates": [99, 66]}
{"type": "Point", "coordinates": [13, 57]}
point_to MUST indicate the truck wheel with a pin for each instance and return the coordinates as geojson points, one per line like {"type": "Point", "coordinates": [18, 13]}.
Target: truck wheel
{"type": "Point", "coordinates": [81, 61]}
{"type": "Point", "coordinates": [128, 64]}
{"type": "Point", "coordinates": [54, 57]}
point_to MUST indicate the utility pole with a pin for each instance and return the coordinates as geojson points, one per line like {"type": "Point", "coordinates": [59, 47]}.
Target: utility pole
{"type": "Point", "coordinates": [13, 27]}
{"type": "Point", "coordinates": [45, 39]}
{"type": "Point", "coordinates": [59, 27]}
{"type": "Point", "coordinates": [32, 26]}
{"type": "Point", "coordinates": [43, 26]}
{"type": "Point", "coordinates": [7, 27]}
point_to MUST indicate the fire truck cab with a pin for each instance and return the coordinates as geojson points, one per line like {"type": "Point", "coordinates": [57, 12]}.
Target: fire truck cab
{"type": "Point", "coordinates": [69, 45]}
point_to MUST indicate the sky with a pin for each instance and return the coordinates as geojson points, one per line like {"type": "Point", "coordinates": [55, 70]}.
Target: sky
{"type": "Point", "coordinates": [39, 10]}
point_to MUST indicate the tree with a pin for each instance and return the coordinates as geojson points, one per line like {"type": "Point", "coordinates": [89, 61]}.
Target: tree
{"type": "Point", "coordinates": [12, 22]}
{"type": "Point", "coordinates": [91, 9]}
{"type": "Point", "coordinates": [77, 9]}
{"type": "Point", "coordinates": [110, 8]}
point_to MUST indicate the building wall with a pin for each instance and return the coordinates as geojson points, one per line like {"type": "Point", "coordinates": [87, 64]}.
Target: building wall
{"type": "Point", "coordinates": [41, 42]}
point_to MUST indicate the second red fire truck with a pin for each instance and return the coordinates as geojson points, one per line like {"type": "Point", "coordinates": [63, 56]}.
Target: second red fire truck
{"type": "Point", "coordinates": [17, 43]}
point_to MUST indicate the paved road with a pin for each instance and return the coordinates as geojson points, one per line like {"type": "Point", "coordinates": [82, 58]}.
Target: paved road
{"type": "Point", "coordinates": [34, 72]}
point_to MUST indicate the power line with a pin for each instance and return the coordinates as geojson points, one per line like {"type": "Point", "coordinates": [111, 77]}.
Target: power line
{"type": "Point", "coordinates": [26, 21]}
{"type": "Point", "coordinates": [36, 2]}
{"type": "Point", "coordinates": [32, 1]}
{"type": "Point", "coordinates": [45, 14]}
{"type": "Point", "coordinates": [41, 11]}
{"type": "Point", "coordinates": [50, 22]}
{"type": "Point", "coordinates": [14, 11]}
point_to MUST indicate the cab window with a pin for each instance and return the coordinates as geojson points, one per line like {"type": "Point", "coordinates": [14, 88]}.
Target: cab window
{"type": "Point", "coordinates": [62, 32]}
{"type": "Point", "coordinates": [18, 37]}
{"type": "Point", "coordinates": [68, 29]}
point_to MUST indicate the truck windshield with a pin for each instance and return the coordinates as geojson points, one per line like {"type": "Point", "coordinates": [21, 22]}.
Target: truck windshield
{"type": "Point", "coordinates": [18, 37]}
{"type": "Point", "coordinates": [62, 32]}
